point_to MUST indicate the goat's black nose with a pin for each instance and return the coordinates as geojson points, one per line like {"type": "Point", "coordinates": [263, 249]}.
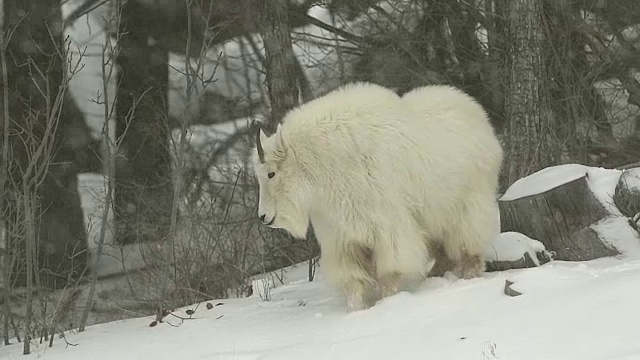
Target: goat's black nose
{"type": "Point", "coordinates": [262, 217]}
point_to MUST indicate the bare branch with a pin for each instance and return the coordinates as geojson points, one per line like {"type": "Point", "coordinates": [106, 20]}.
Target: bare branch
{"type": "Point", "coordinates": [347, 35]}
{"type": "Point", "coordinates": [84, 9]}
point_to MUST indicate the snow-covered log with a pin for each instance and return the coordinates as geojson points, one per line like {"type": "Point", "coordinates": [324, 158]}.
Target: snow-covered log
{"type": "Point", "coordinates": [558, 204]}
{"type": "Point", "coordinates": [512, 250]}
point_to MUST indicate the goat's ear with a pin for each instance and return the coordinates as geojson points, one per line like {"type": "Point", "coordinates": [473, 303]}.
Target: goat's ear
{"type": "Point", "coordinates": [280, 148]}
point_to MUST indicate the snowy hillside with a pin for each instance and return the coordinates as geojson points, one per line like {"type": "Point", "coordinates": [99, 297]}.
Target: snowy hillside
{"type": "Point", "coordinates": [567, 311]}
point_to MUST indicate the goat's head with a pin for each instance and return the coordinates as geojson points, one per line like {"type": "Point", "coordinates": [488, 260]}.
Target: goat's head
{"type": "Point", "coordinates": [284, 195]}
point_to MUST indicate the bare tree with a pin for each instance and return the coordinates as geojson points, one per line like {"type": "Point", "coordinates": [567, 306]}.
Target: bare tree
{"type": "Point", "coordinates": [37, 66]}
{"type": "Point", "coordinates": [42, 178]}
{"type": "Point", "coordinates": [109, 147]}
{"type": "Point", "coordinates": [4, 257]}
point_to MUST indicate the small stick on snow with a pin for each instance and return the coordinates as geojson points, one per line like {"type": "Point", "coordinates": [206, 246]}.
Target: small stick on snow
{"type": "Point", "coordinates": [508, 290]}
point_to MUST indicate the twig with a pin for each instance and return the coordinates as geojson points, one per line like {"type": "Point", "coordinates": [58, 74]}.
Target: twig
{"type": "Point", "coordinates": [3, 177]}
{"type": "Point", "coordinates": [347, 35]}
{"type": "Point", "coordinates": [192, 74]}
{"type": "Point", "coordinates": [109, 156]}
{"type": "Point", "coordinates": [626, 74]}
{"type": "Point", "coordinates": [629, 166]}
{"type": "Point", "coordinates": [84, 9]}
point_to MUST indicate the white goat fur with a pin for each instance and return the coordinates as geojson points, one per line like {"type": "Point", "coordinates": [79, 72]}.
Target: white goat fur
{"type": "Point", "coordinates": [389, 184]}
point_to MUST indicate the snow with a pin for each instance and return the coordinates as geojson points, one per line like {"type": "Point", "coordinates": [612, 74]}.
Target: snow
{"type": "Point", "coordinates": [511, 246]}
{"type": "Point", "coordinates": [567, 311]}
{"type": "Point", "coordinates": [616, 231]}
{"type": "Point", "coordinates": [602, 183]}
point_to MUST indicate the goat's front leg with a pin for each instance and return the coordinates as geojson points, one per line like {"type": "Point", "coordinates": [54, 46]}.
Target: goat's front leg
{"type": "Point", "coordinates": [351, 270]}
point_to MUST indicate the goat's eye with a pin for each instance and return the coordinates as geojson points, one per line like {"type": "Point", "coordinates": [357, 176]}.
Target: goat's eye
{"type": "Point", "coordinates": [271, 174]}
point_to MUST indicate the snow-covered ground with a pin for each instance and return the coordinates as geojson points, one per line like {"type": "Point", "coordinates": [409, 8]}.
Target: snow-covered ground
{"type": "Point", "coordinates": [579, 310]}
{"type": "Point", "coordinates": [567, 311]}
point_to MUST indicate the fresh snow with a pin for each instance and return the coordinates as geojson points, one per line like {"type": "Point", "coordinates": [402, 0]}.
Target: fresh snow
{"type": "Point", "coordinates": [616, 231]}
{"type": "Point", "coordinates": [602, 183]}
{"type": "Point", "coordinates": [567, 311]}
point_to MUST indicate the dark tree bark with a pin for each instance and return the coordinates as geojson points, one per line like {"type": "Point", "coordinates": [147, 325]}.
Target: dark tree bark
{"type": "Point", "coordinates": [280, 62]}
{"type": "Point", "coordinates": [493, 70]}
{"type": "Point", "coordinates": [560, 219]}
{"type": "Point", "coordinates": [530, 121]}
{"type": "Point", "coordinates": [35, 60]}
{"type": "Point", "coordinates": [143, 192]}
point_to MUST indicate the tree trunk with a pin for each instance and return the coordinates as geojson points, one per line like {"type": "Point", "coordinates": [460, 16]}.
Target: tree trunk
{"type": "Point", "coordinates": [280, 62]}
{"type": "Point", "coordinates": [530, 120]}
{"type": "Point", "coordinates": [493, 70]}
{"type": "Point", "coordinates": [560, 219]}
{"type": "Point", "coordinates": [143, 192]}
{"type": "Point", "coordinates": [35, 77]}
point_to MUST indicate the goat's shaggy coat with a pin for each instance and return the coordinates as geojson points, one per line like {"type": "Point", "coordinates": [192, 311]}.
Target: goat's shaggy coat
{"type": "Point", "coordinates": [391, 185]}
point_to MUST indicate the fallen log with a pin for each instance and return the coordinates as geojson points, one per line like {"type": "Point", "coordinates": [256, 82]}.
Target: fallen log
{"type": "Point", "coordinates": [556, 206]}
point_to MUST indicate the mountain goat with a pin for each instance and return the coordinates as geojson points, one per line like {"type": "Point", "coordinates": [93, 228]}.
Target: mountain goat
{"type": "Point", "coordinates": [390, 184]}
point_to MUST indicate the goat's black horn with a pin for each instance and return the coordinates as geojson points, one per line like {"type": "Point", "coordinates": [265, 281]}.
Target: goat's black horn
{"type": "Point", "coordinates": [259, 144]}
